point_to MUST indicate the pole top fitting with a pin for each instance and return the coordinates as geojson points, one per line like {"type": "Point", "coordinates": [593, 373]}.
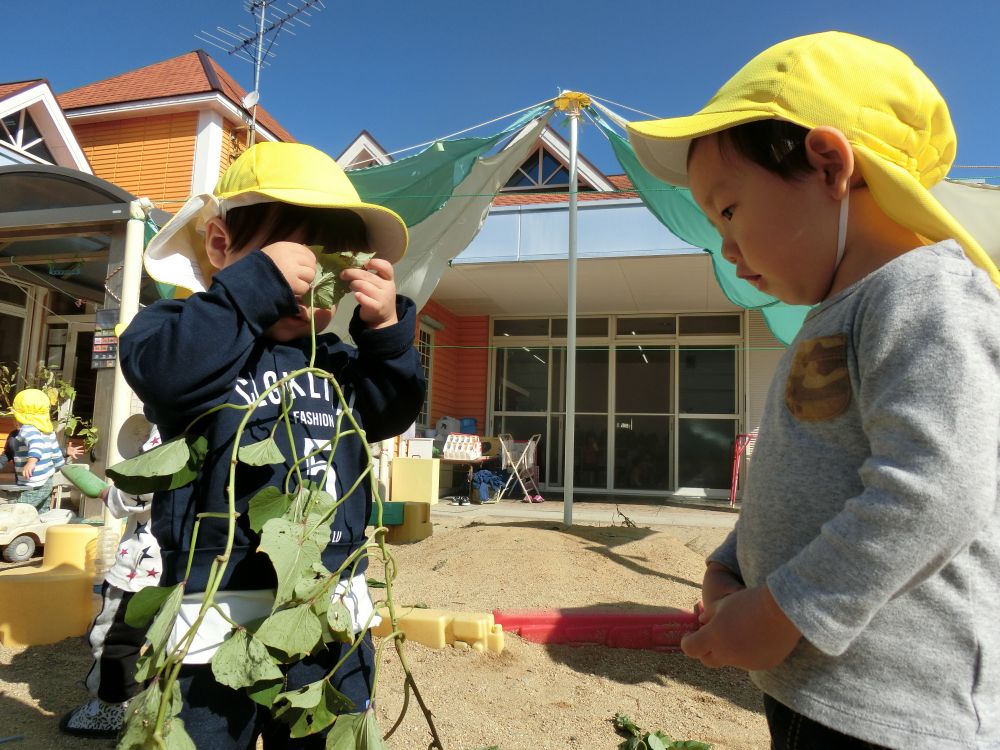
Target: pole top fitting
{"type": "Point", "coordinates": [572, 101]}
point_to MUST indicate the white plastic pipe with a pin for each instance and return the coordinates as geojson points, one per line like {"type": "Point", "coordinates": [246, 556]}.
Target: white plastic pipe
{"type": "Point", "coordinates": [570, 423]}
{"type": "Point", "coordinates": [121, 394]}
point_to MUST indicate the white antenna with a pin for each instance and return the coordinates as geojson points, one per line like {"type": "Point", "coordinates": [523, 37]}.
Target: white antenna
{"type": "Point", "coordinates": [249, 44]}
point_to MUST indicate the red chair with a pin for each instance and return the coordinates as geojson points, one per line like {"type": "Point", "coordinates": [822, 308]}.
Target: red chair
{"type": "Point", "coordinates": [743, 444]}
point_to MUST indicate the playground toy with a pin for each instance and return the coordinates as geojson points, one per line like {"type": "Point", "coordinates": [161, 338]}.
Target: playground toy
{"type": "Point", "coordinates": [414, 525]}
{"type": "Point", "coordinates": [23, 529]}
{"type": "Point", "coordinates": [438, 628]}
{"type": "Point", "coordinates": [655, 631]}
{"type": "Point", "coordinates": [55, 601]}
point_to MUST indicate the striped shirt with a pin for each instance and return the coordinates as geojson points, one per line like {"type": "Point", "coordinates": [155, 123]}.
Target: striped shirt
{"type": "Point", "coordinates": [43, 446]}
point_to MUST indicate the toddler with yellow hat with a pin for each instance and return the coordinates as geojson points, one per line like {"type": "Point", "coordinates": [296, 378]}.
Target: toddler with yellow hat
{"type": "Point", "coordinates": [859, 586]}
{"type": "Point", "coordinates": [247, 256]}
{"type": "Point", "coordinates": [36, 450]}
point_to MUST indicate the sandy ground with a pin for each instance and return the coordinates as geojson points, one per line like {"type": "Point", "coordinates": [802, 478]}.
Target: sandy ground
{"type": "Point", "coordinates": [530, 696]}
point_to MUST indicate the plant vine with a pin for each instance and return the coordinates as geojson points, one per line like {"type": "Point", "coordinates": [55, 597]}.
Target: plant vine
{"type": "Point", "coordinates": [308, 613]}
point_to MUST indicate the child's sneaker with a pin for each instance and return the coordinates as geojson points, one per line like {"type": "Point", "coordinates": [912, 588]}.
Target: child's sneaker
{"type": "Point", "coordinates": [95, 718]}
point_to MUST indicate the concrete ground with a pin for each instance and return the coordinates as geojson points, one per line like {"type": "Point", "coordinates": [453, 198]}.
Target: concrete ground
{"type": "Point", "coordinates": [699, 525]}
{"type": "Point", "coordinates": [598, 511]}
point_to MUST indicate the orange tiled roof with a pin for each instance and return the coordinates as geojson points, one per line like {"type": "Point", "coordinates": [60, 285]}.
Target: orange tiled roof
{"type": "Point", "coordinates": [16, 87]}
{"type": "Point", "coordinates": [192, 73]}
{"type": "Point", "coordinates": [623, 189]}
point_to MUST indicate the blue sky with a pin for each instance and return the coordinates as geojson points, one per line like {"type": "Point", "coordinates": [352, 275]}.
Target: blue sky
{"type": "Point", "coordinates": [409, 72]}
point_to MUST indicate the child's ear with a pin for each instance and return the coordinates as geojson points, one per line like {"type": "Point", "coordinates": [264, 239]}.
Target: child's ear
{"type": "Point", "coordinates": [830, 154]}
{"type": "Point", "coordinates": [216, 241]}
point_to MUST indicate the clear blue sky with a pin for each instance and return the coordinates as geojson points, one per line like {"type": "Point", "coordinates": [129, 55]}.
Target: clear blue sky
{"type": "Point", "coordinates": [412, 71]}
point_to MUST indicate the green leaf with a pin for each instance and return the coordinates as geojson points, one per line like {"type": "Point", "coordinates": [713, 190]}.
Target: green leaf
{"type": "Point", "coordinates": [311, 708]}
{"type": "Point", "coordinates": [338, 617]}
{"type": "Point", "coordinates": [313, 499]}
{"type": "Point", "coordinates": [265, 693]}
{"type": "Point", "coordinates": [374, 583]}
{"type": "Point", "coordinates": [243, 661]}
{"type": "Point", "coordinates": [294, 632]}
{"type": "Point", "coordinates": [655, 743]}
{"type": "Point", "coordinates": [624, 723]}
{"type": "Point", "coordinates": [329, 288]}
{"type": "Point", "coordinates": [176, 736]}
{"type": "Point", "coordinates": [158, 635]}
{"type": "Point", "coordinates": [140, 719]}
{"type": "Point", "coordinates": [261, 454]}
{"type": "Point", "coordinates": [356, 732]}
{"type": "Point", "coordinates": [689, 745]}
{"type": "Point", "coordinates": [173, 464]}
{"type": "Point", "coordinates": [269, 503]}
{"type": "Point", "coordinates": [292, 551]}
{"type": "Point", "coordinates": [145, 604]}
{"type": "Point", "coordinates": [315, 592]}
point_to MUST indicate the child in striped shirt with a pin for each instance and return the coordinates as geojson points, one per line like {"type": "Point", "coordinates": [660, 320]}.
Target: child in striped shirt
{"type": "Point", "coordinates": [37, 453]}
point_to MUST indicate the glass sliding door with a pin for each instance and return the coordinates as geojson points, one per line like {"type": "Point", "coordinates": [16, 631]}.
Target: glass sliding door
{"type": "Point", "coordinates": [590, 434]}
{"type": "Point", "coordinates": [654, 413]}
{"type": "Point", "coordinates": [521, 396]}
{"type": "Point", "coordinates": [642, 425]}
{"type": "Point", "coordinates": [707, 416]}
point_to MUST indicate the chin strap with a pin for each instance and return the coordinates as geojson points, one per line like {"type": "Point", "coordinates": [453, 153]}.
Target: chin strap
{"type": "Point", "coordinates": [842, 230]}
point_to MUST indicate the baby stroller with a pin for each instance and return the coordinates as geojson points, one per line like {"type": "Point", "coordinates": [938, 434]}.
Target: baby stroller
{"type": "Point", "coordinates": [519, 460]}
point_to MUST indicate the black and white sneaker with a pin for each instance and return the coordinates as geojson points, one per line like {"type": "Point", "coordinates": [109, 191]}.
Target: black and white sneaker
{"type": "Point", "coordinates": [95, 718]}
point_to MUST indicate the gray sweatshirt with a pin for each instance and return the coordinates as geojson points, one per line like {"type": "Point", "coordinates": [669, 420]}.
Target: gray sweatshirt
{"type": "Point", "coordinates": [872, 507]}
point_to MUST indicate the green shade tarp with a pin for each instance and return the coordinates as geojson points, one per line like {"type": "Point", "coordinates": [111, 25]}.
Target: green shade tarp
{"type": "Point", "coordinates": [419, 185]}
{"type": "Point", "coordinates": [676, 209]}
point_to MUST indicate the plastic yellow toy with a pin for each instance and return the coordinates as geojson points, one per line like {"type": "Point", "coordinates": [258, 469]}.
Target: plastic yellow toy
{"type": "Point", "coordinates": [55, 601]}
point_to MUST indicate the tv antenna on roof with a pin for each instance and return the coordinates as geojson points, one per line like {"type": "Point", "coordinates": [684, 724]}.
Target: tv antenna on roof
{"type": "Point", "coordinates": [254, 45]}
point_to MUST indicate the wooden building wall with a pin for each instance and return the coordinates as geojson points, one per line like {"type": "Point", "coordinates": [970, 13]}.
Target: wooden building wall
{"type": "Point", "coordinates": [149, 157]}
{"type": "Point", "coordinates": [460, 365]}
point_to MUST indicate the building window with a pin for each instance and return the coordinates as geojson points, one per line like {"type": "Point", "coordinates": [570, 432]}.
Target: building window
{"type": "Point", "coordinates": [542, 172]}
{"type": "Point", "coordinates": [12, 316]}
{"type": "Point", "coordinates": [19, 130]}
{"type": "Point", "coordinates": [425, 348]}
{"type": "Point", "coordinates": [656, 409]}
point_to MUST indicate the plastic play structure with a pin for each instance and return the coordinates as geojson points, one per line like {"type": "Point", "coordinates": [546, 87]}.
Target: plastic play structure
{"type": "Point", "coordinates": [23, 529]}
{"type": "Point", "coordinates": [656, 631]}
{"type": "Point", "coordinates": [55, 601]}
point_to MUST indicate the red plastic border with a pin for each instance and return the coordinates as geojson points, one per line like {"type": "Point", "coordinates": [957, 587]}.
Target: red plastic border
{"type": "Point", "coordinates": [655, 631]}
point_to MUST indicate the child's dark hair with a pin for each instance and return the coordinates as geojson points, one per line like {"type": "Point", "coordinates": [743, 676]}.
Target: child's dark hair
{"type": "Point", "coordinates": [776, 145]}
{"type": "Point", "coordinates": [336, 229]}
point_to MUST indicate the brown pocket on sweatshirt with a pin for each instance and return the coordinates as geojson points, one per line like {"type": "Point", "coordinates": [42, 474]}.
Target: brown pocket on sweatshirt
{"type": "Point", "coordinates": [818, 386]}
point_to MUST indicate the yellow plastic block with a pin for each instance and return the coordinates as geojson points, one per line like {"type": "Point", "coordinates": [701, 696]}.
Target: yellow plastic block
{"type": "Point", "coordinates": [471, 627]}
{"type": "Point", "coordinates": [415, 480]}
{"type": "Point", "coordinates": [74, 545]}
{"type": "Point", "coordinates": [416, 524]}
{"type": "Point", "coordinates": [56, 600]}
{"type": "Point", "coordinates": [437, 628]}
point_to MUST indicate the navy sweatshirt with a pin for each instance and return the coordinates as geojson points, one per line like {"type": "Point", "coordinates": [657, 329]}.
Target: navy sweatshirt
{"type": "Point", "coordinates": [185, 356]}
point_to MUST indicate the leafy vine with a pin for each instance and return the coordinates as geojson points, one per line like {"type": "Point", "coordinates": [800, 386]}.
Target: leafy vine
{"type": "Point", "coordinates": [309, 611]}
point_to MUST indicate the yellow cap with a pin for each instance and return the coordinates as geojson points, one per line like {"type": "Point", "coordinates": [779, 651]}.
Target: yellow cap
{"type": "Point", "coordinates": [31, 406]}
{"type": "Point", "coordinates": [266, 172]}
{"type": "Point", "coordinates": [894, 118]}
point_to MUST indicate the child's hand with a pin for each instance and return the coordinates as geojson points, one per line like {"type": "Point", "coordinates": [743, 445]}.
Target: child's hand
{"type": "Point", "coordinates": [748, 630]}
{"type": "Point", "coordinates": [375, 291]}
{"type": "Point", "coordinates": [296, 262]}
{"type": "Point", "coordinates": [718, 583]}
{"type": "Point", "coordinates": [73, 451]}
{"type": "Point", "coordinates": [29, 468]}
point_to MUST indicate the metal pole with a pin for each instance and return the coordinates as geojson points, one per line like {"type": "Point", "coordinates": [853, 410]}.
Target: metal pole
{"type": "Point", "coordinates": [256, 72]}
{"type": "Point", "coordinates": [568, 472]}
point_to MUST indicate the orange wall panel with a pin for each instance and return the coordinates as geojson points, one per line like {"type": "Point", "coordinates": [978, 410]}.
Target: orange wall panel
{"type": "Point", "coordinates": [149, 157]}
{"type": "Point", "coordinates": [460, 365]}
